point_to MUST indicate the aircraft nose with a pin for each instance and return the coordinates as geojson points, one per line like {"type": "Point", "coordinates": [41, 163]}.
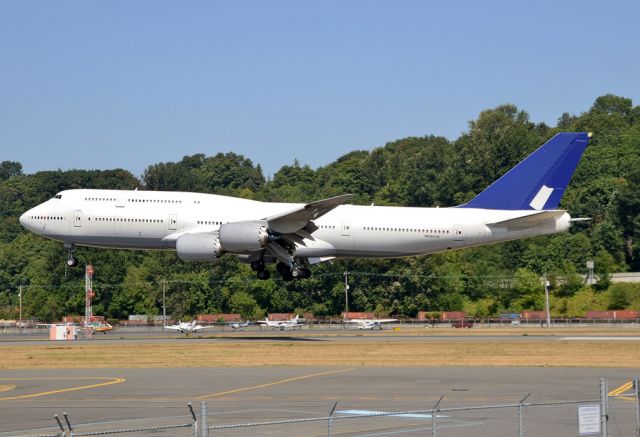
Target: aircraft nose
{"type": "Point", "coordinates": [24, 219]}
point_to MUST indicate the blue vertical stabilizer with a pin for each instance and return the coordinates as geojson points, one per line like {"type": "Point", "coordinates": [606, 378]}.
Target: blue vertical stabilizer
{"type": "Point", "coordinates": [538, 182]}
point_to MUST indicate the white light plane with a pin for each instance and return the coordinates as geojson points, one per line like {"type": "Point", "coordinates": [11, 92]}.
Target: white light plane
{"type": "Point", "coordinates": [187, 328]}
{"type": "Point", "coordinates": [238, 325]}
{"type": "Point", "coordinates": [281, 324]}
{"type": "Point", "coordinates": [204, 227]}
{"type": "Point", "coordinates": [370, 323]}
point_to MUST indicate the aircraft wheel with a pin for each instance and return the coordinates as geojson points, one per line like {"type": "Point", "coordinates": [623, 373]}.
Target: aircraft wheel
{"type": "Point", "coordinates": [256, 266]}
{"type": "Point", "coordinates": [287, 276]}
{"type": "Point", "coordinates": [296, 273]}
{"type": "Point", "coordinates": [72, 261]}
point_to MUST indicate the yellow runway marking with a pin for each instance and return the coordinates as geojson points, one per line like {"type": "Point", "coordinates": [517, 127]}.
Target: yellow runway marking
{"type": "Point", "coordinates": [269, 384]}
{"type": "Point", "coordinates": [6, 387]}
{"type": "Point", "coordinates": [623, 388]}
{"type": "Point", "coordinates": [109, 381]}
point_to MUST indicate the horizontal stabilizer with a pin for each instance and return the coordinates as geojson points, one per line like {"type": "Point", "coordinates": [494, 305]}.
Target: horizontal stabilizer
{"type": "Point", "coordinates": [528, 221]}
{"type": "Point", "coordinates": [580, 219]}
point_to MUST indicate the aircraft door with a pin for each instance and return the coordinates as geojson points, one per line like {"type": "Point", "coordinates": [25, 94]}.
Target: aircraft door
{"type": "Point", "coordinates": [346, 228]}
{"type": "Point", "coordinates": [457, 233]}
{"type": "Point", "coordinates": [173, 222]}
{"type": "Point", "coordinates": [77, 219]}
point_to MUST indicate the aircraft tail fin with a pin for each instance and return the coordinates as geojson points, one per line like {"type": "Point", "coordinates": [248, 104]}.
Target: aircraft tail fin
{"type": "Point", "coordinates": [538, 182]}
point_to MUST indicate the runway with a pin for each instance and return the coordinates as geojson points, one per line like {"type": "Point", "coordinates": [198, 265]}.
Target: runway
{"type": "Point", "coordinates": [256, 394]}
{"type": "Point", "coordinates": [30, 398]}
{"type": "Point", "coordinates": [410, 333]}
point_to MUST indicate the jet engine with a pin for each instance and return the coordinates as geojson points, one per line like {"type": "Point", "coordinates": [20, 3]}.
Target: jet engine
{"type": "Point", "coordinates": [198, 247]}
{"type": "Point", "coordinates": [243, 237]}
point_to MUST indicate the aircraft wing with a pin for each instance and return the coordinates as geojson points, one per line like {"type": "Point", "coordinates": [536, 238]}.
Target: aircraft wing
{"type": "Point", "coordinates": [297, 219]}
{"type": "Point", "coordinates": [199, 327]}
{"type": "Point", "coordinates": [384, 320]}
{"type": "Point", "coordinates": [174, 327]}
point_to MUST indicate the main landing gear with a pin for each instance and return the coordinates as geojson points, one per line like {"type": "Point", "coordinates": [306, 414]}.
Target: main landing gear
{"type": "Point", "coordinates": [261, 272]}
{"type": "Point", "coordinates": [294, 272]}
{"type": "Point", "coordinates": [287, 273]}
{"type": "Point", "coordinates": [72, 261]}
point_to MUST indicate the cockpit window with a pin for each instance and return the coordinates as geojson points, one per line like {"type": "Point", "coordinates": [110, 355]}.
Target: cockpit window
{"type": "Point", "coordinates": [58, 196]}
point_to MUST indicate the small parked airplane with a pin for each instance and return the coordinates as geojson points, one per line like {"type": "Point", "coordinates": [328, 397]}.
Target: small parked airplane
{"type": "Point", "coordinates": [204, 227]}
{"type": "Point", "coordinates": [103, 327]}
{"type": "Point", "coordinates": [370, 323]}
{"type": "Point", "coordinates": [281, 324]}
{"type": "Point", "coordinates": [238, 325]}
{"type": "Point", "coordinates": [187, 328]}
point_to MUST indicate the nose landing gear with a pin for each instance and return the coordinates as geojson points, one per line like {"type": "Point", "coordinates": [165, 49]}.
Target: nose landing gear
{"type": "Point", "coordinates": [72, 261]}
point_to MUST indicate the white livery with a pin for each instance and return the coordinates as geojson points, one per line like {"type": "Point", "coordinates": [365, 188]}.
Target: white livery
{"type": "Point", "coordinates": [370, 323]}
{"type": "Point", "coordinates": [204, 227]}
{"type": "Point", "coordinates": [281, 324]}
{"type": "Point", "coordinates": [187, 327]}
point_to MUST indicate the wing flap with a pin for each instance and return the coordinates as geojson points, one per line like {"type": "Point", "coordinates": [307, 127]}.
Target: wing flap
{"type": "Point", "coordinates": [297, 219]}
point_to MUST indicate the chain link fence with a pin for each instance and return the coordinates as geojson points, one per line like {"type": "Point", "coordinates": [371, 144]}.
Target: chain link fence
{"type": "Point", "coordinates": [532, 419]}
{"type": "Point", "coordinates": [613, 414]}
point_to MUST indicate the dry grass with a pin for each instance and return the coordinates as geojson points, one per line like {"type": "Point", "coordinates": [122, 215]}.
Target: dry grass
{"type": "Point", "coordinates": [506, 331]}
{"type": "Point", "coordinates": [336, 353]}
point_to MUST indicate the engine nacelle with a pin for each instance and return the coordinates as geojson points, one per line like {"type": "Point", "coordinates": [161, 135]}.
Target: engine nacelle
{"type": "Point", "coordinates": [243, 237]}
{"type": "Point", "coordinates": [198, 247]}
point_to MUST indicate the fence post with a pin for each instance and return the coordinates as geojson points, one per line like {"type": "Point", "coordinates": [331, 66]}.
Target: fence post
{"type": "Point", "coordinates": [204, 428]}
{"type": "Point", "coordinates": [194, 425]}
{"type": "Point", "coordinates": [330, 421]}
{"type": "Point", "coordinates": [520, 410]}
{"type": "Point", "coordinates": [636, 385]}
{"type": "Point", "coordinates": [66, 419]}
{"type": "Point", "coordinates": [64, 433]}
{"type": "Point", "coordinates": [604, 410]}
{"type": "Point", "coordinates": [434, 413]}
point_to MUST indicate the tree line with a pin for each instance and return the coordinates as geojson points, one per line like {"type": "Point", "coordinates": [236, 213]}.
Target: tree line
{"type": "Point", "coordinates": [426, 171]}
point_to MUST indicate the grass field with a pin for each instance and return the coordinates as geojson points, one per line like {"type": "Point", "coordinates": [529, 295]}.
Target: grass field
{"type": "Point", "coordinates": [383, 351]}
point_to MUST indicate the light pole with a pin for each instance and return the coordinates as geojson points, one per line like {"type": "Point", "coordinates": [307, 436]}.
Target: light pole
{"type": "Point", "coordinates": [590, 278]}
{"type": "Point", "coordinates": [346, 294]}
{"type": "Point", "coordinates": [164, 307]}
{"type": "Point", "coordinates": [546, 297]}
{"type": "Point", "coordinates": [20, 299]}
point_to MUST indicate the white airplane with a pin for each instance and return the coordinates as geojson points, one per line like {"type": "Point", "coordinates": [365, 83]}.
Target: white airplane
{"type": "Point", "coordinates": [370, 323]}
{"type": "Point", "coordinates": [238, 325]}
{"type": "Point", "coordinates": [204, 227]}
{"type": "Point", "coordinates": [282, 324]}
{"type": "Point", "coordinates": [187, 328]}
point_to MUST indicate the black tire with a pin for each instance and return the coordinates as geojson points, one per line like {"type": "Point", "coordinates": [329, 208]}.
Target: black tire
{"type": "Point", "coordinates": [287, 276]}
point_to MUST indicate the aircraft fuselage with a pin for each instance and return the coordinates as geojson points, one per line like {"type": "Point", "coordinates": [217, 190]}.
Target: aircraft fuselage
{"type": "Point", "coordinates": [155, 219]}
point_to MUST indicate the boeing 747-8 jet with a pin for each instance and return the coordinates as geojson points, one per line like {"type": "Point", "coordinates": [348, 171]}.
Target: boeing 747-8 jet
{"type": "Point", "coordinates": [204, 227]}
